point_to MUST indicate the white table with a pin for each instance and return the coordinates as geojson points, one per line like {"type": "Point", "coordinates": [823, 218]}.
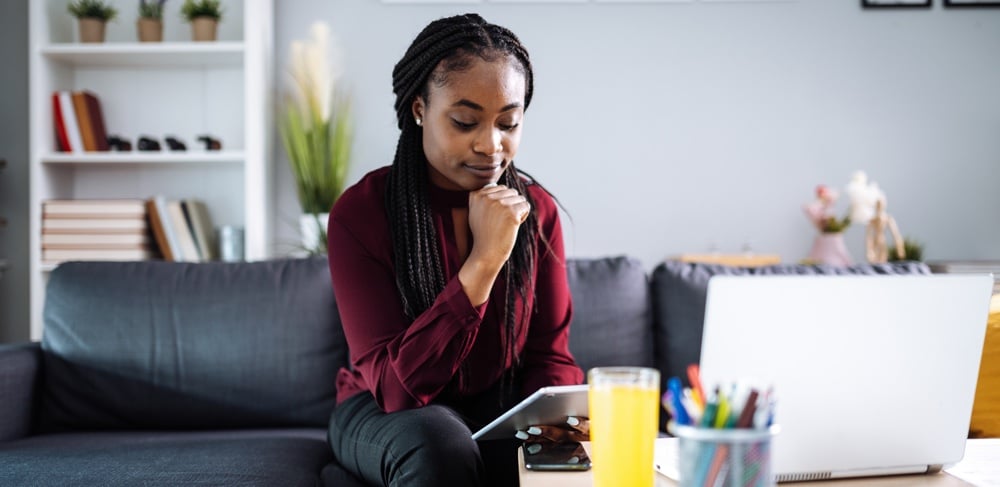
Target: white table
{"type": "Point", "coordinates": [981, 466]}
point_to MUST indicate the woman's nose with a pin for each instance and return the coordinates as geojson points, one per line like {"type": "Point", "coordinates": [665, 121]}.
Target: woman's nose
{"type": "Point", "coordinates": [489, 143]}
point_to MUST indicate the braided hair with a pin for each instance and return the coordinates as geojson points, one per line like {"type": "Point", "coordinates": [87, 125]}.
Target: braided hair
{"type": "Point", "coordinates": [451, 42]}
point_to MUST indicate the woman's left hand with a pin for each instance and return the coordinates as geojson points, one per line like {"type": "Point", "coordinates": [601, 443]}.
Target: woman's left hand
{"type": "Point", "coordinates": [576, 428]}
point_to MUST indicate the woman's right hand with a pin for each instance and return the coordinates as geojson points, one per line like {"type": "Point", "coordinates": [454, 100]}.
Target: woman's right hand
{"type": "Point", "coordinates": [495, 214]}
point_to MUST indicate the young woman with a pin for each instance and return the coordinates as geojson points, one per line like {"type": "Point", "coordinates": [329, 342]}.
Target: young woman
{"type": "Point", "coordinates": [448, 270]}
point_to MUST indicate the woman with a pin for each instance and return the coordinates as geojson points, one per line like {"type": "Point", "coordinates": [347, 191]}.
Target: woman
{"type": "Point", "coordinates": [448, 270]}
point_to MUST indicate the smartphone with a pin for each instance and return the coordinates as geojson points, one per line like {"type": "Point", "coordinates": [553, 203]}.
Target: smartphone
{"type": "Point", "coordinates": [568, 455]}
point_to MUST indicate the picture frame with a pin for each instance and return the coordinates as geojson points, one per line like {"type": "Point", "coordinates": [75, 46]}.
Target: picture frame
{"type": "Point", "coordinates": [971, 3]}
{"type": "Point", "coordinates": [895, 3]}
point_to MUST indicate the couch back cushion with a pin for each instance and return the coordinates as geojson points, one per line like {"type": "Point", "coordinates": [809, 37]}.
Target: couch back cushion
{"type": "Point", "coordinates": [680, 292]}
{"type": "Point", "coordinates": [170, 345]}
{"type": "Point", "coordinates": [612, 322]}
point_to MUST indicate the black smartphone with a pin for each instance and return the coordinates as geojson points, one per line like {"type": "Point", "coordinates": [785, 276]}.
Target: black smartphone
{"type": "Point", "coordinates": [568, 455]}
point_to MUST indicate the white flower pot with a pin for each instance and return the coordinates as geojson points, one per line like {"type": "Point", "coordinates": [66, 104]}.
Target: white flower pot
{"type": "Point", "coordinates": [313, 230]}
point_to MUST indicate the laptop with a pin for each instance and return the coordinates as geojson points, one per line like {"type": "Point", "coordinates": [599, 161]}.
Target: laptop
{"type": "Point", "coordinates": [874, 375]}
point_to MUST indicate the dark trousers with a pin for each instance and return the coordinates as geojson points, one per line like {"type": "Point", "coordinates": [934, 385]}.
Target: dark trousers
{"type": "Point", "coordinates": [428, 446]}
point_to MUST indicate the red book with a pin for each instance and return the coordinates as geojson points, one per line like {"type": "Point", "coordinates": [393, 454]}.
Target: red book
{"type": "Point", "coordinates": [96, 121]}
{"type": "Point", "coordinates": [62, 140]}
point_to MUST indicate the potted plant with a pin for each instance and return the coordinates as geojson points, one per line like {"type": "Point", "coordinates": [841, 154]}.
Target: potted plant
{"type": "Point", "coordinates": [92, 16]}
{"type": "Point", "coordinates": [316, 131]}
{"type": "Point", "coordinates": [204, 16]}
{"type": "Point", "coordinates": [150, 23]}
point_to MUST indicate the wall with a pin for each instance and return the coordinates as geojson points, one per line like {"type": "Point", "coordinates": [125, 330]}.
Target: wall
{"type": "Point", "coordinates": [680, 127]}
{"type": "Point", "coordinates": [14, 179]}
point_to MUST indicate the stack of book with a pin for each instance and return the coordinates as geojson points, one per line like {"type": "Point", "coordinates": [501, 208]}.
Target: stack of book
{"type": "Point", "coordinates": [183, 230]}
{"type": "Point", "coordinates": [969, 267]}
{"type": "Point", "coordinates": [79, 122]}
{"type": "Point", "coordinates": [95, 230]}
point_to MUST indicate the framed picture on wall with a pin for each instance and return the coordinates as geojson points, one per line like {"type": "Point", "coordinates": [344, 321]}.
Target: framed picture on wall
{"type": "Point", "coordinates": [895, 3]}
{"type": "Point", "coordinates": [972, 3]}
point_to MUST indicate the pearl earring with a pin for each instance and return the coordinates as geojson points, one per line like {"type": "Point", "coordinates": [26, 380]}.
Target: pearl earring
{"type": "Point", "coordinates": [420, 122]}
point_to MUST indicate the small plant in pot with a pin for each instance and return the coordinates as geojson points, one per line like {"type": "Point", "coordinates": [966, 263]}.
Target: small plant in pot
{"type": "Point", "coordinates": [150, 23]}
{"type": "Point", "coordinates": [204, 16]}
{"type": "Point", "coordinates": [92, 16]}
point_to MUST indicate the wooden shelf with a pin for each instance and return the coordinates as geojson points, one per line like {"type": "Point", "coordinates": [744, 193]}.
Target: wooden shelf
{"type": "Point", "coordinates": [139, 157]}
{"type": "Point", "coordinates": [135, 54]}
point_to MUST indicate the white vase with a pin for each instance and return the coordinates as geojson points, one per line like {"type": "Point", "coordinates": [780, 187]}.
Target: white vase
{"type": "Point", "coordinates": [312, 227]}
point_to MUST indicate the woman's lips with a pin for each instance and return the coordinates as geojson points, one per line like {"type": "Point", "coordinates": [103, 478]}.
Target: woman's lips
{"type": "Point", "coordinates": [483, 171]}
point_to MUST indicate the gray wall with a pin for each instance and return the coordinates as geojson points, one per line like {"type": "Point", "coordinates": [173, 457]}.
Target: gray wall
{"type": "Point", "coordinates": [680, 127]}
{"type": "Point", "coordinates": [14, 179]}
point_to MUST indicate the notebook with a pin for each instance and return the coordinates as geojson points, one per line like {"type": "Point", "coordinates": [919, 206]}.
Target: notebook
{"type": "Point", "coordinates": [874, 375]}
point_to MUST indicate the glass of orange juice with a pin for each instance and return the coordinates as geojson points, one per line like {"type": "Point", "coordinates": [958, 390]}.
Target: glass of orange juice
{"type": "Point", "coordinates": [624, 417]}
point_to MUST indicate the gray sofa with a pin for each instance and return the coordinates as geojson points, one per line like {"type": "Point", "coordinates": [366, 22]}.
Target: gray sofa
{"type": "Point", "coordinates": [223, 374]}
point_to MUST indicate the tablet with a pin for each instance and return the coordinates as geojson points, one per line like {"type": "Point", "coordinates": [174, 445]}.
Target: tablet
{"type": "Point", "coordinates": [548, 405]}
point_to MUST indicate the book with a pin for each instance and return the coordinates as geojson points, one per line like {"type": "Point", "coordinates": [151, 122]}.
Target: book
{"type": "Point", "coordinates": [92, 240]}
{"type": "Point", "coordinates": [125, 208]}
{"type": "Point", "coordinates": [201, 226]}
{"type": "Point", "coordinates": [62, 140]}
{"type": "Point", "coordinates": [96, 116]}
{"type": "Point", "coordinates": [52, 256]}
{"type": "Point", "coordinates": [185, 239]}
{"type": "Point", "coordinates": [69, 120]}
{"type": "Point", "coordinates": [94, 225]}
{"type": "Point", "coordinates": [162, 231]}
{"type": "Point", "coordinates": [83, 121]}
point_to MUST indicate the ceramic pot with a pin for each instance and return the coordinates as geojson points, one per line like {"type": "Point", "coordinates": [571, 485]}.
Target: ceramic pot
{"type": "Point", "coordinates": [91, 29]}
{"type": "Point", "coordinates": [312, 226]}
{"type": "Point", "coordinates": [204, 28]}
{"type": "Point", "coordinates": [829, 249]}
{"type": "Point", "coordinates": [150, 30]}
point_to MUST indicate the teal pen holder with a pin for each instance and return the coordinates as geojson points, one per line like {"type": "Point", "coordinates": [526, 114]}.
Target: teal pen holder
{"type": "Point", "coordinates": [724, 457]}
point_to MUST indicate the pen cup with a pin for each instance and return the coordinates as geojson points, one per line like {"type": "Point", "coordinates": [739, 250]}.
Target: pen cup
{"type": "Point", "coordinates": [724, 457]}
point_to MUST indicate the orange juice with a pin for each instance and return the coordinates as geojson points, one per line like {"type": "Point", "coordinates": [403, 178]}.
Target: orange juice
{"type": "Point", "coordinates": [623, 428]}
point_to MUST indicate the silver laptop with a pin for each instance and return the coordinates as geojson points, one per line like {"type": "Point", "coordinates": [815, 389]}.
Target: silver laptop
{"type": "Point", "coordinates": [874, 375]}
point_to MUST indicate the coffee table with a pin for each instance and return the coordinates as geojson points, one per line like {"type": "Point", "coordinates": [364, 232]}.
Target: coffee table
{"type": "Point", "coordinates": [975, 449]}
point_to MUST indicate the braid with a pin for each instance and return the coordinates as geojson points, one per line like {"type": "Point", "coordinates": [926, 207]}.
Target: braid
{"type": "Point", "coordinates": [449, 42]}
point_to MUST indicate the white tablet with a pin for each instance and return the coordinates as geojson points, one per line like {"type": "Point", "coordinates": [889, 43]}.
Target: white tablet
{"type": "Point", "coordinates": [548, 405]}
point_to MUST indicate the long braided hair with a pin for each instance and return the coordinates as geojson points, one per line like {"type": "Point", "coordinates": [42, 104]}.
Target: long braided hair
{"type": "Point", "coordinates": [451, 42]}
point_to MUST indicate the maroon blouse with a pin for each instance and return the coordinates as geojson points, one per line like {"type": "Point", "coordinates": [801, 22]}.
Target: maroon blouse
{"type": "Point", "coordinates": [408, 363]}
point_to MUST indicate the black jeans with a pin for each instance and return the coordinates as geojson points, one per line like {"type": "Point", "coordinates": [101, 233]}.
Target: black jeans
{"type": "Point", "coordinates": [428, 446]}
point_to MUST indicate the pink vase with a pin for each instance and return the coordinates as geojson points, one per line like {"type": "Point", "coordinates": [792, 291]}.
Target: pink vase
{"type": "Point", "coordinates": [829, 248]}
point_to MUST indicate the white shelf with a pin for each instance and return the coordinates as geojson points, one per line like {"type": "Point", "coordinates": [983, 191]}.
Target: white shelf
{"type": "Point", "coordinates": [140, 157]}
{"type": "Point", "coordinates": [146, 54]}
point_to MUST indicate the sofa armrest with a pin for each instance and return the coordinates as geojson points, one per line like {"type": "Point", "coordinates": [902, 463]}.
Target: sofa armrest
{"type": "Point", "coordinates": [20, 367]}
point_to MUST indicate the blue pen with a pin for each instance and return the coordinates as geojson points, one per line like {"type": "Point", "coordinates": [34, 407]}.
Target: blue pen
{"type": "Point", "coordinates": [674, 384]}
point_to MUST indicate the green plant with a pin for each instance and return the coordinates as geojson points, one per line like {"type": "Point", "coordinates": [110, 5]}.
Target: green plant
{"type": "Point", "coordinates": [92, 9]}
{"type": "Point", "coordinates": [201, 8]}
{"type": "Point", "coordinates": [912, 250]}
{"type": "Point", "coordinates": [151, 10]}
{"type": "Point", "coordinates": [316, 128]}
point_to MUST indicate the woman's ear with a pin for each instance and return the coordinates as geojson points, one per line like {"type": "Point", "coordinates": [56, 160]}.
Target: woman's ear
{"type": "Point", "coordinates": [418, 110]}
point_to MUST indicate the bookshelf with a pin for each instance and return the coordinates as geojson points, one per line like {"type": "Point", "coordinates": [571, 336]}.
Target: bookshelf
{"type": "Point", "coordinates": [174, 88]}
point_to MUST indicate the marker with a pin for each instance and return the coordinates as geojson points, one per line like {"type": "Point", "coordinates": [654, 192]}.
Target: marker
{"type": "Point", "coordinates": [674, 384]}
{"type": "Point", "coordinates": [694, 377]}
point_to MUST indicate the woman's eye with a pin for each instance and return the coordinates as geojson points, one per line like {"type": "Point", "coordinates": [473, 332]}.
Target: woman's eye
{"type": "Point", "coordinates": [508, 127]}
{"type": "Point", "coordinates": [463, 125]}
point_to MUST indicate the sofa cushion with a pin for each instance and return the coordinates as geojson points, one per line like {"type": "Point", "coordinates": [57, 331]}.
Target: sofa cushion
{"type": "Point", "coordinates": [680, 291]}
{"type": "Point", "coordinates": [611, 316]}
{"type": "Point", "coordinates": [245, 457]}
{"type": "Point", "coordinates": [163, 345]}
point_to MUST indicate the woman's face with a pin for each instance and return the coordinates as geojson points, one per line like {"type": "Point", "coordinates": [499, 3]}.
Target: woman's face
{"type": "Point", "coordinates": [472, 123]}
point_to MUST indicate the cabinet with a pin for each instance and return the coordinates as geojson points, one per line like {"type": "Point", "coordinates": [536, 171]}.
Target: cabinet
{"type": "Point", "coordinates": [175, 88]}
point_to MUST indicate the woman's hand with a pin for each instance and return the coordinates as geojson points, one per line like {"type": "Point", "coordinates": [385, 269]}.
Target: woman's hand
{"type": "Point", "coordinates": [495, 214]}
{"type": "Point", "coordinates": [575, 429]}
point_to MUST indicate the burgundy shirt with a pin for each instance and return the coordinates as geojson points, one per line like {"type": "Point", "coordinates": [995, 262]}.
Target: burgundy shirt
{"type": "Point", "coordinates": [407, 363]}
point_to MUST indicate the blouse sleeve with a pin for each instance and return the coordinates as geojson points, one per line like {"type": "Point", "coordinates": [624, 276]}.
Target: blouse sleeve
{"type": "Point", "coordinates": [405, 362]}
{"type": "Point", "coordinates": [547, 359]}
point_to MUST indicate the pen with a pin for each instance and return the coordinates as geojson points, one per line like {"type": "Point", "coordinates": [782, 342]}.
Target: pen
{"type": "Point", "coordinates": [674, 384]}
{"type": "Point", "coordinates": [694, 377]}
{"type": "Point", "coordinates": [723, 415]}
